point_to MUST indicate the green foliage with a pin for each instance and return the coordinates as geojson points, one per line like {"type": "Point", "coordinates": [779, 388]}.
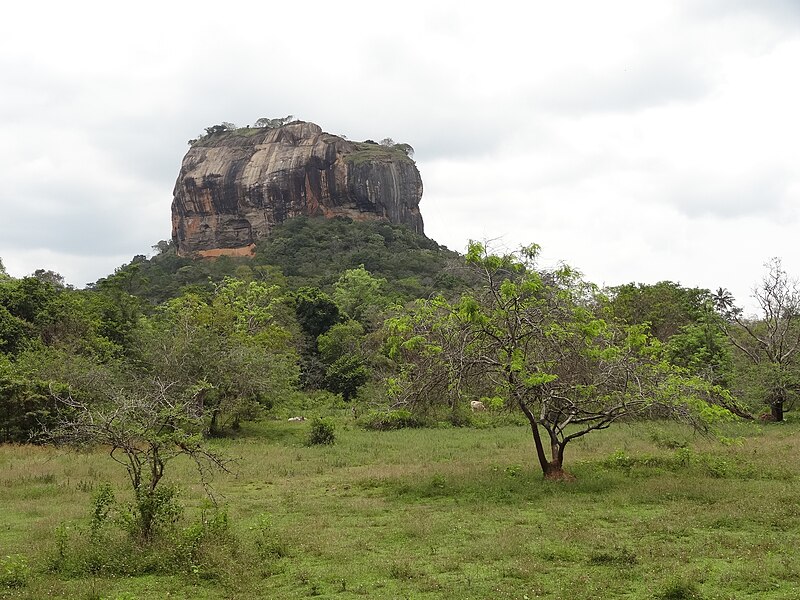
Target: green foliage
{"type": "Point", "coordinates": [540, 340]}
{"type": "Point", "coordinates": [345, 375]}
{"type": "Point", "coordinates": [665, 306]}
{"type": "Point", "coordinates": [26, 403]}
{"type": "Point", "coordinates": [316, 311]}
{"type": "Point", "coordinates": [269, 542]}
{"type": "Point", "coordinates": [103, 503]}
{"type": "Point", "coordinates": [390, 420]}
{"type": "Point", "coordinates": [340, 340]}
{"type": "Point", "coordinates": [359, 295]}
{"type": "Point", "coordinates": [767, 348]}
{"type": "Point", "coordinates": [322, 432]}
{"type": "Point", "coordinates": [113, 547]}
{"type": "Point", "coordinates": [14, 571]}
{"type": "Point", "coordinates": [152, 511]}
{"type": "Point", "coordinates": [309, 252]}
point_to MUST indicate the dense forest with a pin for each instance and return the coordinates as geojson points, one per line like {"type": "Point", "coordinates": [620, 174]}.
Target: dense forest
{"type": "Point", "coordinates": [168, 354]}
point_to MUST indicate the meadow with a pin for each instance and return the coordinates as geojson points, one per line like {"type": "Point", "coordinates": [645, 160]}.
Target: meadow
{"type": "Point", "coordinates": [655, 512]}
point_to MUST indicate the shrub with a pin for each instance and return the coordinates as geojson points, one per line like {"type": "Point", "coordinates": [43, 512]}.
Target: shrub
{"type": "Point", "coordinates": [680, 590]}
{"type": "Point", "coordinates": [14, 571]}
{"type": "Point", "coordinates": [390, 420]}
{"type": "Point", "coordinates": [112, 544]}
{"type": "Point", "coordinates": [269, 543]}
{"type": "Point", "coordinates": [322, 432]}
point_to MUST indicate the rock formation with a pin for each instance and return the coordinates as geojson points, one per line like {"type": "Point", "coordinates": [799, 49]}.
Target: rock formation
{"type": "Point", "coordinates": [234, 186]}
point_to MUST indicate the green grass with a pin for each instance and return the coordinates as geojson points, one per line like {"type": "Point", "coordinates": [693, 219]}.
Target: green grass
{"type": "Point", "coordinates": [454, 513]}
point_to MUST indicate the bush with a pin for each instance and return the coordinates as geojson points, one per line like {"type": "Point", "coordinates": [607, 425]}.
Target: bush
{"type": "Point", "coordinates": [390, 420]}
{"type": "Point", "coordinates": [680, 590]}
{"type": "Point", "coordinates": [322, 432]}
{"type": "Point", "coordinates": [112, 544]}
{"type": "Point", "coordinates": [14, 571]}
{"type": "Point", "coordinates": [268, 541]}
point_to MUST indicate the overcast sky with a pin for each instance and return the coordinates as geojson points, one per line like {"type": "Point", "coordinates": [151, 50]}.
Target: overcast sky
{"type": "Point", "coordinates": [637, 141]}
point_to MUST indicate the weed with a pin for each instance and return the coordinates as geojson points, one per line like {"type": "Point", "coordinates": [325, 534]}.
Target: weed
{"type": "Point", "coordinates": [620, 557]}
{"type": "Point", "coordinates": [680, 590]}
{"type": "Point", "coordinates": [269, 543]}
{"type": "Point", "coordinates": [14, 571]}
{"type": "Point", "coordinates": [665, 440]}
{"type": "Point", "coordinates": [102, 505]}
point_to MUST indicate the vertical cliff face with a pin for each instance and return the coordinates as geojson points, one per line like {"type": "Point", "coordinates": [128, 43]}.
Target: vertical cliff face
{"type": "Point", "coordinates": [235, 186]}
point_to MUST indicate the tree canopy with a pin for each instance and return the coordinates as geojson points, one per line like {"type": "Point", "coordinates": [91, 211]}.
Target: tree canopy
{"type": "Point", "coordinates": [539, 342]}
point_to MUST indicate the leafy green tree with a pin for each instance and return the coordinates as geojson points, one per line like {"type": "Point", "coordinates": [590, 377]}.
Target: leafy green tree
{"type": "Point", "coordinates": [666, 307]}
{"type": "Point", "coordinates": [232, 348]}
{"type": "Point", "coordinates": [683, 319]}
{"type": "Point", "coordinates": [703, 349]}
{"type": "Point", "coordinates": [25, 403]}
{"type": "Point", "coordinates": [345, 375]}
{"type": "Point", "coordinates": [221, 128]}
{"type": "Point", "coordinates": [768, 345]}
{"type": "Point", "coordinates": [340, 349]}
{"type": "Point", "coordinates": [316, 311]}
{"type": "Point", "coordinates": [195, 365]}
{"type": "Point", "coordinates": [536, 340]}
{"type": "Point", "coordinates": [13, 332]}
{"type": "Point", "coordinates": [359, 295]}
{"type": "Point", "coordinates": [273, 123]}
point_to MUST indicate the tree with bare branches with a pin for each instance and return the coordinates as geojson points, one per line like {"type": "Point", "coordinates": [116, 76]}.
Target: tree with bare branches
{"type": "Point", "coordinates": [770, 341]}
{"type": "Point", "coordinates": [193, 366]}
{"type": "Point", "coordinates": [144, 422]}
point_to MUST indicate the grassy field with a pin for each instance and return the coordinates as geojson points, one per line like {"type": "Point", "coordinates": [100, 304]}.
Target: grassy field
{"type": "Point", "coordinates": [655, 512]}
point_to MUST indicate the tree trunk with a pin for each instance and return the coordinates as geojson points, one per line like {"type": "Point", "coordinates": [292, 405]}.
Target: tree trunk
{"type": "Point", "coordinates": [213, 426]}
{"type": "Point", "coordinates": [555, 468]}
{"type": "Point", "coordinates": [776, 408]}
{"type": "Point", "coordinates": [537, 438]}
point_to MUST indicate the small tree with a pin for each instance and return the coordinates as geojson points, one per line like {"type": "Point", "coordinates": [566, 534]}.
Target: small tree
{"type": "Point", "coordinates": [145, 417]}
{"type": "Point", "coordinates": [768, 343]}
{"type": "Point", "coordinates": [538, 341]}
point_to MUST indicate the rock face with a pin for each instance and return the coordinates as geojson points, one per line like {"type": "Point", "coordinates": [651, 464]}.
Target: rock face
{"type": "Point", "coordinates": [235, 186]}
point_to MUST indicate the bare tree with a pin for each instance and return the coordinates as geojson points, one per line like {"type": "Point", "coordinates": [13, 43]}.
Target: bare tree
{"type": "Point", "coordinates": [145, 422]}
{"type": "Point", "coordinates": [770, 341]}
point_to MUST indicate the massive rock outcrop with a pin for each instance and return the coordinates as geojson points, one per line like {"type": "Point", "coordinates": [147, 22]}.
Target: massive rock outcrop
{"type": "Point", "coordinates": [234, 186]}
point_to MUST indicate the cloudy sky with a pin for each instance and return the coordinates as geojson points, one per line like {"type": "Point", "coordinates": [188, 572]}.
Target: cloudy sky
{"type": "Point", "coordinates": [637, 141]}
